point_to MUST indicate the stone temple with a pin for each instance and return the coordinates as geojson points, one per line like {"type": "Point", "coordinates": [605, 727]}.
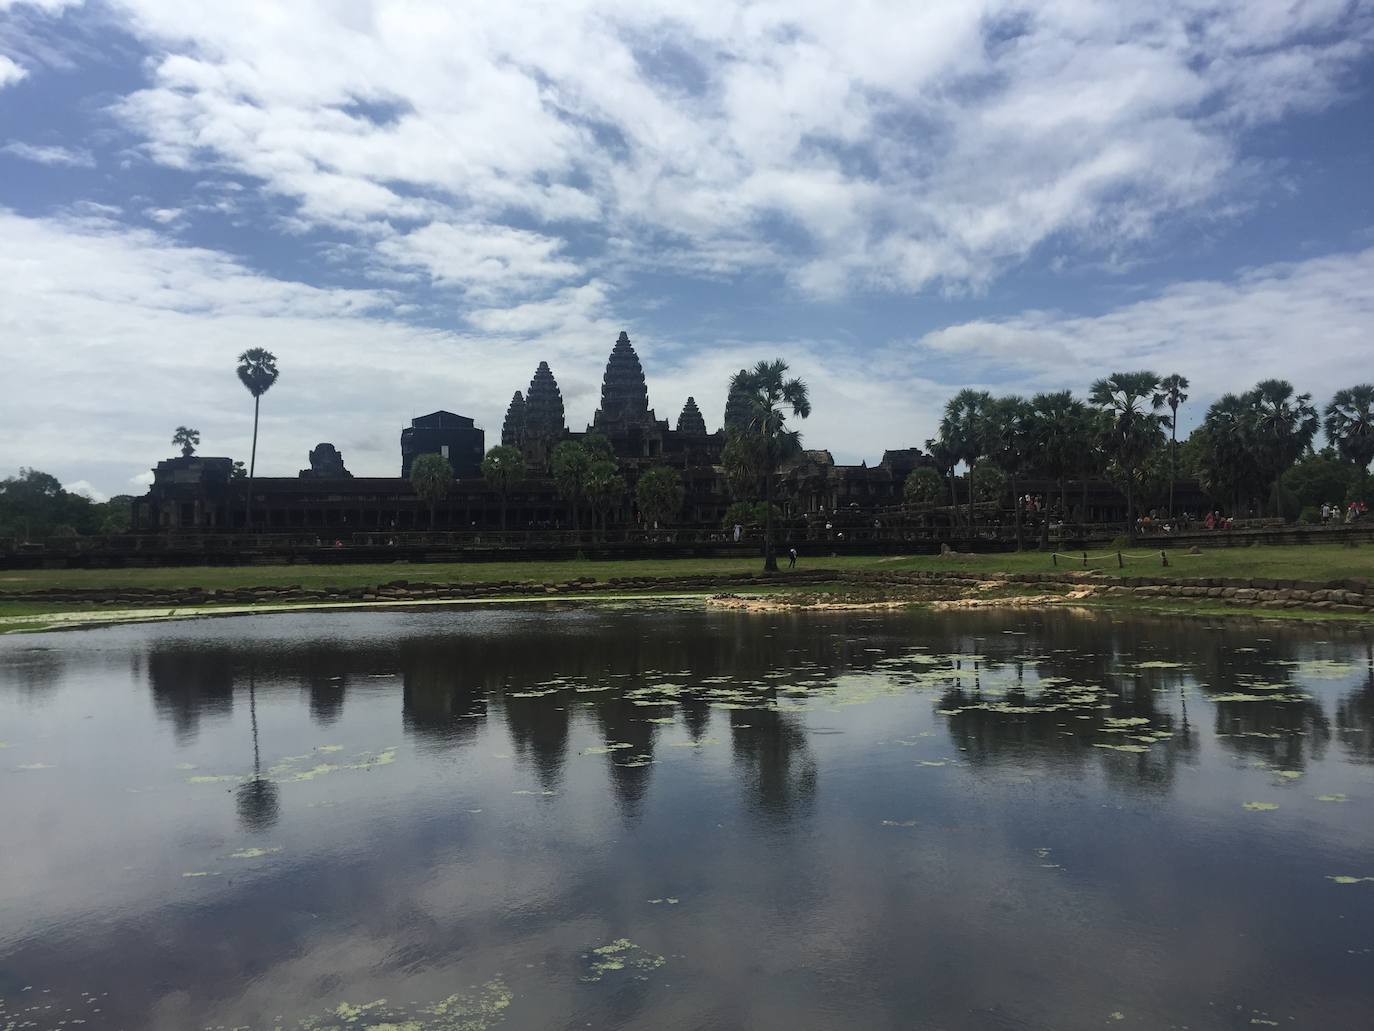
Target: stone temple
{"type": "Point", "coordinates": [202, 493]}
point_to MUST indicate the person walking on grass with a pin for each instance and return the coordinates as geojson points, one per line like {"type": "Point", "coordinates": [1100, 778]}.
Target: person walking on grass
{"type": "Point", "coordinates": [791, 558]}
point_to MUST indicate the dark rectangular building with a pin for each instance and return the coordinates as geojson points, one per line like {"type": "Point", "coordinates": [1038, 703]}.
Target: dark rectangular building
{"type": "Point", "coordinates": [444, 433]}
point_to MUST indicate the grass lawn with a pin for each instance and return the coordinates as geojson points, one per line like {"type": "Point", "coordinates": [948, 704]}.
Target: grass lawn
{"type": "Point", "coordinates": [1296, 562]}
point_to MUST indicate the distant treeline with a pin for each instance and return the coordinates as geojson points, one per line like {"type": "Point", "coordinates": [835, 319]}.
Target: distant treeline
{"type": "Point", "coordinates": [34, 504]}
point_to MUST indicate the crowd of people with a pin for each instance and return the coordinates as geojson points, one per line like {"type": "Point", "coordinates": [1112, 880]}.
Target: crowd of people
{"type": "Point", "coordinates": [1333, 514]}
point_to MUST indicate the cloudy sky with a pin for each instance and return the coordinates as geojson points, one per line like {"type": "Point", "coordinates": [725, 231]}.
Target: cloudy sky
{"type": "Point", "coordinates": [413, 203]}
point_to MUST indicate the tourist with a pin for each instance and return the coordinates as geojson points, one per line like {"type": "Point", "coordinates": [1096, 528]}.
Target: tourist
{"type": "Point", "coordinates": [791, 558]}
{"type": "Point", "coordinates": [739, 530]}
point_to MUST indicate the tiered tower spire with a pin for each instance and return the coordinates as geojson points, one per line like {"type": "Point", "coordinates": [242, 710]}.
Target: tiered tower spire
{"type": "Point", "coordinates": [736, 408]}
{"type": "Point", "coordinates": [624, 395]}
{"type": "Point", "coordinates": [691, 420]}
{"type": "Point", "coordinates": [513, 430]}
{"type": "Point", "coordinates": [544, 405]}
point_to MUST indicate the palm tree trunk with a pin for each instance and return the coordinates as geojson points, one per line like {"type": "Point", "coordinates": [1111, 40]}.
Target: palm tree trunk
{"type": "Point", "coordinates": [1173, 459]}
{"type": "Point", "coordinates": [970, 499]}
{"type": "Point", "coordinates": [953, 497]}
{"type": "Point", "coordinates": [252, 465]}
{"type": "Point", "coordinates": [503, 511]}
{"type": "Point", "coordinates": [1016, 514]}
{"type": "Point", "coordinates": [770, 560]}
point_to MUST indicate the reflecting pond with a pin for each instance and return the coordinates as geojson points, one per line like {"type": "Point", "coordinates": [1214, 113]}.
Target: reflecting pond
{"type": "Point", "coordinates": [666, 817]}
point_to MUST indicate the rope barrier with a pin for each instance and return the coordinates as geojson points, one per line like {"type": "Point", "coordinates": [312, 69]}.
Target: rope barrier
{"type": "Point", "coordinates": [1083, 558]}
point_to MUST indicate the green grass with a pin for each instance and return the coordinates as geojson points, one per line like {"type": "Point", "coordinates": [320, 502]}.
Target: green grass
{"type": "Point", "coordinates": [1297, 562]}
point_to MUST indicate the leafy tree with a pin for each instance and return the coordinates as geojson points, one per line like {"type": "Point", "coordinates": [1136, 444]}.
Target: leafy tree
{"type": "Point", "coordinates": [605, 487]}
{"type": "Point", "coordinates": [1009, 445]}
{"type": "Point", "coordinates": [502, 469]}
{"type": "Point", "coordinates": [569, 464]}
{"type": "Point", "coordinates": [923, 488]}
{"type": "Point", "coordinates": [987, 483]}
{"type": "Point", "coordinates": [1172, 392]}
{"type": "Point", "coordinates": [742, 460]}
{"type": "Point", "coordinates": [749, 513]}
{"type": "Point", "coordinates": [1283, 425]}
{"type": "Point", "coordinates": [238, 471]}
{"type": "Point", "coordinates": [34, 504]}
{"type": "Point", "coordinates": [945, 459]}
{"type": "Point", "coordinates": [1135, 427]}
{"type": "Point", "coordinates": [659, 494]}
{"type": "Point", "coordinates": [187, 439]}
{"type": "Point", "coordinates": [1226, 457]}
{"type": "Point", "coordinates": [1350, 424]}
{"type": "Point", "coordinates": [769, 396]}
{"type": "Point", "coordinates": [1319, 478]}
{"type": "Point", "coordinates": [1060, 430]}
{"type": "Point", "coordinates": [431, 476]}
{"type": "Point", "coordinates": [257, 372]}
{"type": "Point", "coordinates": [964, 431]}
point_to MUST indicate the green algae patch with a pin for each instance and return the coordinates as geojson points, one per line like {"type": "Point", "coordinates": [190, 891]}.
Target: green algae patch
{"type": "Point", "coordinates": [607, 749]}
{"type": "Point", "coordinates": [1336, 797]}
{"type": "Point", "coordinates": [1121, 748]}
{"type": "Point", "coordinates": [201, 873]}
{"type": "Point", "coordinates": [475, 1010]}
{"type": "Point", "coordinates": [1260, 807]}
{"type": "Point", "coordinates": [620, 956]}
{"type": "Point", "coordinates": [1347, 879]}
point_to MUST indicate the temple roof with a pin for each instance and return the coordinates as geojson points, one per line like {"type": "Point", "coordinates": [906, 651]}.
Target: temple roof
{"type": "Point", "coordinates": [736, 409]}
{"type": "Point", "coordinates": [691, 420]}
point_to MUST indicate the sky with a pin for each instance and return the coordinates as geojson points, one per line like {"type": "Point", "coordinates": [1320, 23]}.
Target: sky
{"type": "Point", "coordinates": [412, 204]}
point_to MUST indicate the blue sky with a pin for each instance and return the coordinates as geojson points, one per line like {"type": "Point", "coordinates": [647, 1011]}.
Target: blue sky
{"type": "Point", "coordinates": [412, 204]}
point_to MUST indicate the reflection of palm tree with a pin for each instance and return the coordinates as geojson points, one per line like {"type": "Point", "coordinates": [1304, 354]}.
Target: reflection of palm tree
{"type": "Point", "coordinates": [257, 800]}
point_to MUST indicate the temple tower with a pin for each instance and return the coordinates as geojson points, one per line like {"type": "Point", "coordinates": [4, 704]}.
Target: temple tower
{"type": "Point", "coordinates": [513, 430]}
{"type": "Point", "coordinates": [736, 408]}
{"type": "Point", "coordinates": [691, 420]}
{"type": "Point", "coordinates": [544, 419]}
{"type": "Point", "coordinates": [624, 395]}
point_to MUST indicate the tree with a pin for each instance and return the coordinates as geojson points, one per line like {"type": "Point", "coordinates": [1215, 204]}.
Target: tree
{"type": "Point", "coordinates": [945, 460]}
{"type": "Point", "coordinates": [1283, 425]}
{"type": "Point", "coordinates": [659, 494]}
{"type": "Point", "coordinates": [1060, 431]}
{"type": "Point", "coordinates": [923, 488]}
{"type": "Point", "coordinates": [238, 471]}
{"type": "Point", "coordinates": [742, 460]}
{"type": "Point", "coordinates": [502, 469]}
{"type": "Point", "coordinates": [988, 484]}
{"type": "Point", "coordinates": [769, 397]}
{"type": "Point", "coordinates": [187, 439]}
{"type": "Point", "coordinates": [569, 464]}
{"type": "Point", "coordinates": [1350, 424]}
{"type": "Point", "coordinates": [605, 487]}
{"type": "Point", "coordinates": [1131, 402]}
{"type": "Point", "coordinates": [963, 430]}
{"type": "Point", "coordinates": [431, 476]}
{"type": "Point", "coordinates": [1172, 392]}
{"type": "Point", "coordinates": [257, 372]}
{"type": "Point", "coordinates": [1226, 455]}
{"type": "Point", "coordinates": [34, 504]}
{"type": "Point", "coordinates": [1009, 445]}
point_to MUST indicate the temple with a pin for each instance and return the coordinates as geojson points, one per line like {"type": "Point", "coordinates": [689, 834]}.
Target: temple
{"type": "Point", "coordinates": [205, 493]}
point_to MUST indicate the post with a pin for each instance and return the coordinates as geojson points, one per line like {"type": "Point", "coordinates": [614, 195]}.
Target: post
{"type": "Point", "coordinates": [1120, 562]}
{"type": "Point", "coordinates": [1164, 557]}
{"type": "Point", "coordinates": [1085, 560]}
{"type": "Point", "coordinates": [1054, 559]}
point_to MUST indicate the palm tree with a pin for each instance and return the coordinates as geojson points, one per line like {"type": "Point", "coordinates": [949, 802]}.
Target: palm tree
{"type": "Point", "coordinates": [569, 464]}
{"type": "Point", "coordinates": [1057, 429]}
{"type": "Point", "coordinates": [1227, 457]}
{"type": "Point", "coordinates": [605, 487]}
{"type": "Point", "coordinates": [431, 476]}
{"type": "Point", "coordinates": [257, 372]}
{"type": "Point", "coordinates": [963, 430]}
{"type": "Point", "coordinates": [187, 439]}
{"type": "Point", "coordinates": [1131, 401]}
{"type": "Point", "coordinates": [1172, 392]}
{"type": "Point", "coordinates": [1009, 446]}
{"type": "Point", "coordinates": [769, 396]}
{"type": "Point", "coordinates": [1350, 424]}
{"type": "Point", "coordinates": [659, 494]}
{"type": "Point", "coordinates": [503, 468]}
{"type": "Point", "coordinates": [945, 460]}
{"type": "Point", "coordinates": [1284, 425]}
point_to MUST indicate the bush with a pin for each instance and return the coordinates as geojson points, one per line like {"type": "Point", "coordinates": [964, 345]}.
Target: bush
{"type": "Point", "coordinates": [1119, 543]}
{"type": "Point", "coordinates": [1310, 514]}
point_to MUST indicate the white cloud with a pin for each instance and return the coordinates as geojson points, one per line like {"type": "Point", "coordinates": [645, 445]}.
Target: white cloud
{"type": "Point", "coordinates": [487, 261]}
{"type": "Point", "coordinates": [10, 71]}
{"type": "Point", "coordinates": [904, 144]}
{"type": "Point", "coordinates": [1303, 321]}
{"type": "Point", "coordinates": [49, 154]}
{"type": "Point", "coordinates": [85, 489]}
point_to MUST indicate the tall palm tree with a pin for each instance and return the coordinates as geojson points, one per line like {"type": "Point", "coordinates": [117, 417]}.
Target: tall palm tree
{"type": "Point", "coordinates": [1009, 447]}
{"type": "Point", "coordinates": [502, 469]}
{"type": "Point", "coordinates": [963, 429]}
{"type": "Point", "coordinates": [1228, 455]}
{"type": "Point", "coordinates": [1350, 424]}
{"type": "Point", "coordinates": [1132, 403]}
{"type": "Point", "coordinates": [187, 439]}
{"type": "Point", "coordinates": [1172, 392]}
{"type": "Point", "coordinates": [1284, 425]}
{"type": "Point", "coordinates": [257, 372]}
{"type": "Point", "coordinates": [770, 396]}
{"type": "Point", "coordinates": [1057, 429]}
{"type": "Point", "coordinates": [945, 460]}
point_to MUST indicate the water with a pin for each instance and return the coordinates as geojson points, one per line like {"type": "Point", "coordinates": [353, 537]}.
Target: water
{"type": "Point", "coordinates": [829, 820]}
